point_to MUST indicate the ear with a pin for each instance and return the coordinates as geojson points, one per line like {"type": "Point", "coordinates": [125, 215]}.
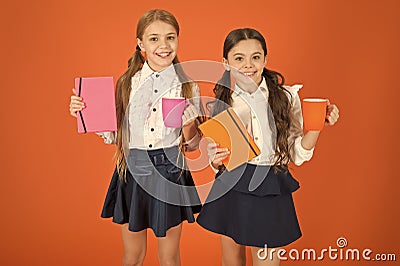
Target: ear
{"type": "Point", "coordinates": [265, 60]}
{"type": "Point", "coordinates": [140, 43]}
{"type": "Point", "coordinates": [226, 64]}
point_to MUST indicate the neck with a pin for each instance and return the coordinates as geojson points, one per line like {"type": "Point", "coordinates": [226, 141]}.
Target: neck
{"type": "Point", "coordinates": [249, 87]}
{"type": "Point", "coordinates": [157, 68]}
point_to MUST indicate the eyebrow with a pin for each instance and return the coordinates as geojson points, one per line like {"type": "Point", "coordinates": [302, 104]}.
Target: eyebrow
{"type": "Point", "coordinates": [243, 54]}
{"type": "Point", "coordinates": [157, 34]}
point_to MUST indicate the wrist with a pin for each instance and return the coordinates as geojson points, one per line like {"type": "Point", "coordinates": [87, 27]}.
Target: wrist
{"type": "Point", "coordinates": [189, 123]}
{"type": "Point", "coordinates": [214, 165]}
{"type": "Point", "coordinates": [313, 132]}
{"type": "Point", "coordinates": [216, 168]}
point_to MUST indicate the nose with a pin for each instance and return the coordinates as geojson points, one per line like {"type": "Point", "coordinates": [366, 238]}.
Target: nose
{"type": "Point", "coordinates": [248, 63]}
{"type": "Point", "coordinates": [163, 42]}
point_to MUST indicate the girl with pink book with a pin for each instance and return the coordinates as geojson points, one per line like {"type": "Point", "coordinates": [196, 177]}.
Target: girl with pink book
{"type": "Point", "coordinates": [146, 188]}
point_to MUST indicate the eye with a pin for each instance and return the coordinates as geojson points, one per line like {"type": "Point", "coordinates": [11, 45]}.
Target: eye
{"type": "Point", "coordinates": [171, 38]}
{"type": "Point", "coordinates": [153, 39]}
{"type": "Point", "coordinates": [256, 57]}
{"type": "Point", "coordinates": [239, 59]}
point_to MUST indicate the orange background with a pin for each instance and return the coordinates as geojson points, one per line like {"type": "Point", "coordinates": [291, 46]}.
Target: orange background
{"type": "Point", "coordinates": [54, 180]}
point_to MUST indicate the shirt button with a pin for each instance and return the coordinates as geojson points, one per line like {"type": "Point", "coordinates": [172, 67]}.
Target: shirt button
{"type": "Point", "coordinates": [152, 129]}
{"type": "Point", "coordinates": [150, 145]}
{"type": "Point", "coordinates": [157, 75]}
{"type": "Point", "coordinates": [256, 138]}
{"type": "Point", "coordinates": [154, 109]}
{"type": "Point", "coordinates": [254, 117]}
{"type": "Point", "coordinates": [155, 90]}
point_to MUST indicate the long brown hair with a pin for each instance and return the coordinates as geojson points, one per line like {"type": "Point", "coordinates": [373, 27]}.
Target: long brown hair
{"type": "Point", "coordinates": [135, 63]}
{"type": "Point", "coordinates": [277, 99]}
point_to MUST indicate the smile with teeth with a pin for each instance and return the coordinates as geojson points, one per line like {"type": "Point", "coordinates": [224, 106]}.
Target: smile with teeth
{"type": "Point", "coordinates": [163, 55]}
{"type": "Point", "coordinates": [249, 74]}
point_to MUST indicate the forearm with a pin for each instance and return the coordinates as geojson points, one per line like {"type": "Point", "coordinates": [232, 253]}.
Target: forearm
{"type": "Point", "coordinates": [191, 136]}
{"type": "Point", "coordinates": [109, 137]}
{"type": "Point", "coordinates": [189, 131]}
{"type": "Point", "coordinates": [310, 139]}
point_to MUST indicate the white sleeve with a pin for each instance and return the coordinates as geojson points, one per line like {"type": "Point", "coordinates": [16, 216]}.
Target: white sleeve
{"type": "Point", "coordinates": [298, 153]}
{"type": "Point", "coordinates": [214, 169]}
{"type": "Point", "coordinates": [109, 137]}
{"type": "Point", "coordinates": [196, 96]}
{"type": "Point", "coordinates": [193, 143]}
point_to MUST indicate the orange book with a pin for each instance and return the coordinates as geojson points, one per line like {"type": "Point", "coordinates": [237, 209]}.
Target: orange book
{"type": "Point", "coordinates": [227, 130]}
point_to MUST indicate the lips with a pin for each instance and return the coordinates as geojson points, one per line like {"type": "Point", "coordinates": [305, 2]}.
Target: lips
{"type": "Point", "coordinates": [249, 73]}
{"type": "Point", "coordinates": [163, 54]}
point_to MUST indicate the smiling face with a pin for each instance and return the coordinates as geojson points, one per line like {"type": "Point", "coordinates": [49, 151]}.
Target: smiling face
{"type": "Point", "coordinates": [160, 43]}
{"type": "Point", "coordinates": [248, 57]}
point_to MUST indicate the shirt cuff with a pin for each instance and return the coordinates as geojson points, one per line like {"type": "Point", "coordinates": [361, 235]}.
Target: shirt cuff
{"type": "Point", "coordinates": [193, 143]}
{"type": "Point", "coordinates": [214, 169]}
{"type": "Point", "coordinates": [109, 137]}
{"type": "Point", "coordinates": [300, 154]}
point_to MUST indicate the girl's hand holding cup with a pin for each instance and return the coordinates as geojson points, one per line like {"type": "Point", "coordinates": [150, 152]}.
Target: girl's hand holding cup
{"type": "Point", "coordinates": [332, 114]}
{"type": "Point", "coordinates": [189, 115]}
{"type": "Point", "coordinates": [178, 112]}
{"type": "Point", "coordinates": [318, 112]}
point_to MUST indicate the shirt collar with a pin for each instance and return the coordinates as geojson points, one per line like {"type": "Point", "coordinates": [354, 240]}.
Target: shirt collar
{"type": "Point", "coordinates": [168, 74]}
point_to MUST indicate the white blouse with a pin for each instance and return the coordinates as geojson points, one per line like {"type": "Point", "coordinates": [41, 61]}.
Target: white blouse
{"type": "Point", "coordinates": [145, 122]}
{"type": "Point", "coordinates": [254, 111]}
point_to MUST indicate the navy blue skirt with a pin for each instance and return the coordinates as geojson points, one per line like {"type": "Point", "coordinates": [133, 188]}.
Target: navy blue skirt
{"type": "Point", "coordinates": [253, 205]}
{"type": "Point", "coordinates": [157, 193]}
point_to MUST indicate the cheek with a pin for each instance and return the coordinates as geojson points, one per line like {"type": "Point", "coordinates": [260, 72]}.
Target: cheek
{"type": "Point", "coordinates": [147, 46]}
{"type": "Point", "coordinates": [235, 64]}
{"type": "Point", "coordinates": [175, 45]}
{"type": "Point", "coordinates": [260, 66]}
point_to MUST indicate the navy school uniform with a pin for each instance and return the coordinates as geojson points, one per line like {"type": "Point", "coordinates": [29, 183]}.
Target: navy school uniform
{"type": "Point", "coordinates": [261, 214]}
{"type": "Point", "coordinates": [158, 193]}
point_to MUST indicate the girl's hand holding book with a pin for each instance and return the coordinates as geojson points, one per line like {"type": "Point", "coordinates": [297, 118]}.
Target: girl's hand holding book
{"type": "Point", "coordinates": [216, 154]}
{"type": "Point", "coordinates": [76, 104]}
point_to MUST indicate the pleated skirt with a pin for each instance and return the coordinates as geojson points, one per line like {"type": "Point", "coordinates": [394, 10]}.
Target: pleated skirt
{"type": "Point", "coordinates": [158, 193]}
{"type": "Point", "coordinates": [253, 205]}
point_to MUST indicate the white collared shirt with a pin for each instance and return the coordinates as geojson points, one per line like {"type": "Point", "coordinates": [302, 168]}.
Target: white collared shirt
{"type": "Point", "coordinates": [255, 113]}
{"type": "Point", "coordinates": [145, 122]}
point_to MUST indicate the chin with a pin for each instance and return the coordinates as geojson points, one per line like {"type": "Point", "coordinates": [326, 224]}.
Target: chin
{"type": "Point", "coordinates": [257, 80]}
{"type": "Point", "coordinates": [165, 64]}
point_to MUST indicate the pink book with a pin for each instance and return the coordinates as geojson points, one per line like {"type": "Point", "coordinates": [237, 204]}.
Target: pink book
{"type": "Point", "coordinates": [98, 96]}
